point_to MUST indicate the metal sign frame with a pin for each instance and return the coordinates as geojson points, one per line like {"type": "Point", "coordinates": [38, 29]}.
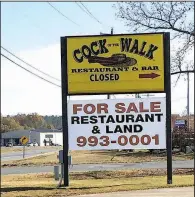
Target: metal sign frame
{"type": "Point", "coordinates": [167, 91]}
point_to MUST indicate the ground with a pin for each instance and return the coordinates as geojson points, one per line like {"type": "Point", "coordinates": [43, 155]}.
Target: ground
{"type": "Point", "coordinates": [92, 182]}
{"type": "Point", "coordinates": [20, 148]}
{"type": "Point", "coordinates": [43, 184]}
{"type": "Point", "coordinates": [98, 157]}
{"type": "Point", "coordinates": [159, 192]}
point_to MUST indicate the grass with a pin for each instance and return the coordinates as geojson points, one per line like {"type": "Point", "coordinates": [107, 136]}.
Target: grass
{"type": "Point", "coordinates": [39, 185]}
{"type": "Point", "coordinates": [45, 159]}
{"type": "Point", "coordinates": [18, 149]}
{"type": "Point", "coordinates": [98, 157]}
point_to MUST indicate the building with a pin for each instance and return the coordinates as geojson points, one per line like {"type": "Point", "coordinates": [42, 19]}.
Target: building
{"type": "Point", "coordinates": [41, 136]}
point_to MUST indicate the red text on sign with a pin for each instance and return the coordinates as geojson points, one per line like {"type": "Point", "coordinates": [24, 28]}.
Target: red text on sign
{"type": "Point", "coordinates": [91, 108]}
{"type": "Point", "coordinates": [121, 108]}
{"type": "Point", "coordinates": [122, 140]}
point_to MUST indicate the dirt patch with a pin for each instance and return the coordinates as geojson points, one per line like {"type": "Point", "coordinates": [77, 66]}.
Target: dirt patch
{"type": "Point", "coordinates": [127, 174]}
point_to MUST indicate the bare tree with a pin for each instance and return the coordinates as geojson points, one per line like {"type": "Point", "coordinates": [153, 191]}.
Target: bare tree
{"type": "Point", "coordinates": [175, 17]}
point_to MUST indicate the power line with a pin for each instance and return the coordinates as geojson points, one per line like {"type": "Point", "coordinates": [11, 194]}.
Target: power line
{"type": "Point", "coordinates": [90, 13]}
{"type": "Point", "coordinates": [30, 71]}
{"type": "Point", "coordinates": [28, 63]}
{"type": "Point", "coordinates": [61, 13]}
{"type": "Point", "coordinates": [86, 10]}
{"type": "Point", "coordinates": [83, 9]}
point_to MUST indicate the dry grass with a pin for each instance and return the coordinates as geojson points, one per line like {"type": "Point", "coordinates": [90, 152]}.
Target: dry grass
{"type": "Point", "coordinates": [20, 149]}
{"type": "Point", "coordinates": [10, 149]}
{"type": "Point", "coordinates": [45, 159]}
{"type": "Point", "coordinates": [89, 157]}
{"type": "Point", "coordinates": [39, 185]}
{"type": "Point", "coordinates": [113, 156]}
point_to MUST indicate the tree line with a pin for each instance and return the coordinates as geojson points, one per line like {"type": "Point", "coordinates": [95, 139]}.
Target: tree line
{"type": "Point", "coordinates": [29, 121]}
{"type": "Point", "coordinates": [36, 121]}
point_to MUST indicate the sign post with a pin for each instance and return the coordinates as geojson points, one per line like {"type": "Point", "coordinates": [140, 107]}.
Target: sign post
{"type": "Point", "coordinates": [24, 140]}
{"type": "Point", "coordinates": [23, 151]}
{"type": "Point", "coordinates": [64, 108]}
{"type": "Point", "coordinates": [115, 64]}
{"type": "Point", "coordinates": [168, 106]}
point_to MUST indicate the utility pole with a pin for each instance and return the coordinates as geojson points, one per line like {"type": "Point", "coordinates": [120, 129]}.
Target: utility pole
{"type": "Point", "coordinates": [188, 102]}
{"type": "Point", "coordinates": [112, 31]}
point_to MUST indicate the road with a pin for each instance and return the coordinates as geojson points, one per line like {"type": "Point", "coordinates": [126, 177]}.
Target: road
{"type": "Point", "coordinates": [165, 192]}
{"type": "Point", "coordinates": [28, 153]}
{"type": "Point", "coordinates": [98, 167]}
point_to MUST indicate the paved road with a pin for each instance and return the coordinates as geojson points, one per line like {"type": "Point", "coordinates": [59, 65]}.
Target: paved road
{"type": "Point", "coordinates": [28, 153]}
{"type": "Point", "coordinates": [166, 192]}
{"type": "Point", "coordinates": [97, 167]}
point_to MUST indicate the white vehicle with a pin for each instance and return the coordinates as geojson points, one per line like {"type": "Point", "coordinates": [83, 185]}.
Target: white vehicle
{"type": "Point", "coordinates": [33, 144]}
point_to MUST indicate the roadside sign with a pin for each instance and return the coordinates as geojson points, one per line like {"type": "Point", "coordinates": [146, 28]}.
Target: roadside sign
{"type": "Point", "coordinates": [116, 64]}
{"type": "Point", "coordinates": [117, 124]}
{"type": "Point", "coordinates": [24, 140]}
{"type": "Point", "coordinates": [180, 122]}
{"type": "Point", "coordinates": [107, 64]}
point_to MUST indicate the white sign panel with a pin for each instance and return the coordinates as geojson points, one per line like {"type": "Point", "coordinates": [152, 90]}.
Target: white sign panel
{"type": "Point", "coordinates": [117, 124]}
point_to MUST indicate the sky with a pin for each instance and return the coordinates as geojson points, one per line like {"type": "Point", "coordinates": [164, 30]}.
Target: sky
{"type": "Point", "coordinates": [32, 31]}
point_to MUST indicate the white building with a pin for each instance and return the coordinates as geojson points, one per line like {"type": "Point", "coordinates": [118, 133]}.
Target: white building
{"type": "Point", "coordinates": [41, 136]}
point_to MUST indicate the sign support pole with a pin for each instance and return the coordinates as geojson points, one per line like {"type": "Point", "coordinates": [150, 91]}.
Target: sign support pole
{"type": "Point", "coordinates": [168, 106]}
{"type": "Point", "coordinates": [23, 151]}
{"type": "Point", "coordinates": [64, 109]}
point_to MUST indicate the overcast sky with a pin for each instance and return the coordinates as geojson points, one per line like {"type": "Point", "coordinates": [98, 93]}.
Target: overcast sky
{"type": "Point", "coordinates": [32, 31]}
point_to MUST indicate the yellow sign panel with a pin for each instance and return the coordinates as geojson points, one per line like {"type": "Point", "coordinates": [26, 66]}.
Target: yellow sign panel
{"type": "Point", "coordinates": [24, 140]}
{"type": "Point", "coordinates": [115, 64]}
